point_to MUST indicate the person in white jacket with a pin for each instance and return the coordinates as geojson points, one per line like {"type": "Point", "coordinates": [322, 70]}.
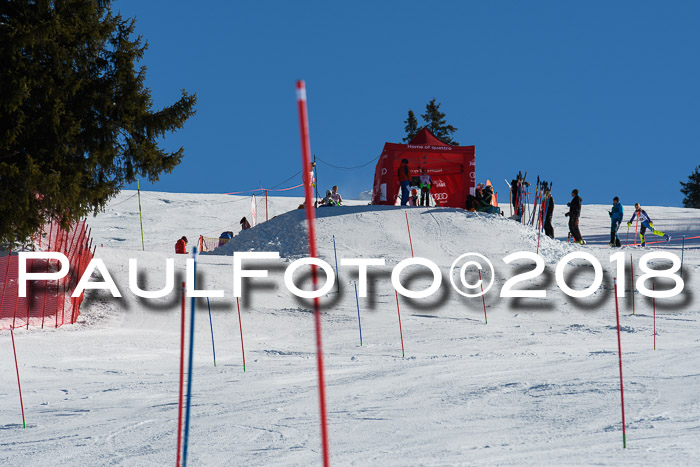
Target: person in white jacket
{"type": "Point", "coordinates": [335, 196]}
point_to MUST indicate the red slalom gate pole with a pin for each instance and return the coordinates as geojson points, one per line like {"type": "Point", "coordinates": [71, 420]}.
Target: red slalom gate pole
{"type": "Point", "coordinates": [409, 233]}
{"type": "Point", "coordinates": [619, 350]}
{"type": "Point", "coordinates": [240, 325]}
{"type": "Point", "coordinates": [310, 215]}
{"type": "Point", "coordinates": [182, 376]}
{"type": "Point", "coordinates": [21, 404]}
{"type": "Point", "coordinates": [403, 353]}
{"type": "Point", "coordinates": [653, 301]}
{"type": "Point", "coordinates": [486, 320]}
{"type": "Point", "coordinates": [632, 282]}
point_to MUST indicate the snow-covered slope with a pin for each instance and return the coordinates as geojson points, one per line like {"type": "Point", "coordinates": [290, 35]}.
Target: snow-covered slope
{"type": "Point", "coordinates": [538, 384]}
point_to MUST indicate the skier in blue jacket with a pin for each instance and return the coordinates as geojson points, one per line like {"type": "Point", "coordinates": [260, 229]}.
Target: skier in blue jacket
{"type": "Point", "coordinates": [646, 222]}
{"type": "Point", "coordinates": [616, 215]}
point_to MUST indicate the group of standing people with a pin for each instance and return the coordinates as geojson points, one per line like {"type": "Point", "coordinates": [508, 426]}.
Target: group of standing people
{"type": "Point", "coordinates": [519, 189]}
{"type": "Point", "coordinates": [409, 197]}
{"type": "Point", "coordinates": [616, 215]}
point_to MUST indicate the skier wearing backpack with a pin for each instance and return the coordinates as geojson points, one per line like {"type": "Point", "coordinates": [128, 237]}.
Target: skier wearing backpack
{"type": "Point", "coordinates": [616, 214]}
{"type": "Point", "coordinates": [573, 215]}
{"type": "Point", "coordinates": [646, 222]}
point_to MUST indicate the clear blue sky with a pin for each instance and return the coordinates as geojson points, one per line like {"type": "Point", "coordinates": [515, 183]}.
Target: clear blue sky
{"type": "Point", "coordinates": [601, 96]}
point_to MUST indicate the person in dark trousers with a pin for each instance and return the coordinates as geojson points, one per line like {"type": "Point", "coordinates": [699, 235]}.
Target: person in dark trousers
{"type": "Point", "coordinates": [646, 222]}
{"type": "Point", "coordinates": [181, 246]}
{"type": "Point", "coordinates": [426, 184]}
{"type": "Point", "coordinates": [405, 181]}
{"type": "Point", "coordinates": [616, 214]}
{"type": "Point", "coordinates": [548, 213]}
{"type": "Point", "coordinates": [573, 215]}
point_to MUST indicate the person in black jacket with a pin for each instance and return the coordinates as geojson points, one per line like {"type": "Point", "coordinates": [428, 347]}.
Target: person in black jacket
{"type": "Point", "coordinates": [549, 212]}
{"type": "Point", "coordinates": [573, 215]}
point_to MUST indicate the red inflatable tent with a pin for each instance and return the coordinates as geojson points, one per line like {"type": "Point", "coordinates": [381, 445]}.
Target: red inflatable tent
{"type": "Point", "coordinates": [451, 168]}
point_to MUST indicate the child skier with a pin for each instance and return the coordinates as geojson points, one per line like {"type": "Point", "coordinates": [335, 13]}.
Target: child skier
{"type": "Point", "coordinates": [413, 199]}
{"type": "Point", "coordinates": [616, 214]}
{"type": "Point", "coordinates": [646, 222]}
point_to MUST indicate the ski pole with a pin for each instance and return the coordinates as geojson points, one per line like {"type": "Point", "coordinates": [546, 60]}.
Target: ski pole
{"type": "Point", "coordinates": [335, 253]}
{"type": "Point", "coordinates": [21, 404]}
{"type": "Point", "coordinates": [682, 251]}
{"type": "Point", "coordinates": [211, 326]}
{"type": "Point", "coordinates": [359, 323]}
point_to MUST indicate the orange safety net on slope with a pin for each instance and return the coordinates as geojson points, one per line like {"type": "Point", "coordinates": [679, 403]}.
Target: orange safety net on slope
{"type": "Point", "coordinates": [48, 303]}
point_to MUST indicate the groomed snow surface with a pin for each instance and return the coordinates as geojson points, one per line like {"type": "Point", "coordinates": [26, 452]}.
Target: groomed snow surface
{"type": "Point", "coordinates": [539, 384]}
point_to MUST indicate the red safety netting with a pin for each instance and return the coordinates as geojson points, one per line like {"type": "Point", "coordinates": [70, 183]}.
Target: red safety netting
{"type": "Point", "coordinates": [210, 243]}
{"type": "Point", "coordinates": [48, 303]}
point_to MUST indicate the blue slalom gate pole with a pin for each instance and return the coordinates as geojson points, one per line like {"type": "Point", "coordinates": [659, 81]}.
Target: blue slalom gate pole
{"type": "Point", "coordinates": [189, 365]}
{"type": "Point", "coordinates": [358, 312]}
{"type": "Point", "coordinates": [211, 326]}
{"type": "Point", "coordinates": [335, 253]}
{"type": "Point", "coordinates": [682, 251]}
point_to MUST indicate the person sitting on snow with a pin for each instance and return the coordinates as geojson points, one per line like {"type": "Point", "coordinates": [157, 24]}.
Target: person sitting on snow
{"type": "Point", "coordinates": [181, 246]}
{"type": "Point", "coordinates": [646, 222]}
{"type": "Point", "coordinates": [335, 196]}
{"type": "Point", "coordinates": [327, 200]}
{"type": "Point", "coordinates": [245, 225]}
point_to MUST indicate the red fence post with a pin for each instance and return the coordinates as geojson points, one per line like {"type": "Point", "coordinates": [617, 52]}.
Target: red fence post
{"type": "Point", "coordinates": [46, 293]}
{"type": "Point", "coordinates": [7, 272]}
{"type": "Point", "coordinates": [50, 234]}
{"type": "Point", "coordinates": [29, 295]}
{"type": "Point", "coordinates": [14, 314]}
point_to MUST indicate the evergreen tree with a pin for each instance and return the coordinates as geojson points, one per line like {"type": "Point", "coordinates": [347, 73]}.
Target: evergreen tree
{"type": "Point", "coordinates": [435, 122]}
{"type": "Point", "coordinates": [76, 121]}
{"type": "Point", "coordinates": [411, 127]}
{"type": "Point", "coordinates": [691, 190]}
